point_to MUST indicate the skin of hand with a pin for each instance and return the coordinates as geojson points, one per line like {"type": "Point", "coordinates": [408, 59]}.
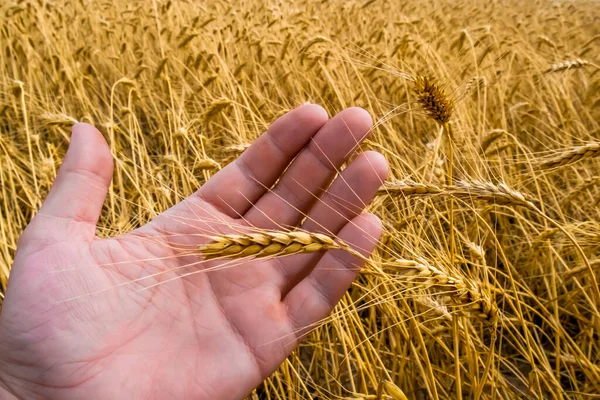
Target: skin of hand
{"type": "Point", "coordinates": [202, 335]}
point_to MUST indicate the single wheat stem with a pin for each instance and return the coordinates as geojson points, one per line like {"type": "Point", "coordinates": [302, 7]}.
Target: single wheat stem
{"type": "Point", "coordinates": [449, 135]}
{"type": "Point", "coordinates": [269, 244]}
{"type": "Point", "coordinates": [456, 328]}
{"type": "Point", "coordinates": [573, 155]}
{"type": "Point", "coordinates": [21, 93]}
{"type": "Point", "coordinates": [111, 134]}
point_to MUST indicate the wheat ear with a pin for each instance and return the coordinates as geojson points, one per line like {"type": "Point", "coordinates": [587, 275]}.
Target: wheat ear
{"type": "Point", "coordinates": [573, 155]}
{"type": "Point", "coordinates": [474, 300]}
{"type": "Point", "coordinates": [268, 244]}
{"type": "Point", "coordinates": [566, 65]}
{"type": "Point", "coordinates": [490, 138]}
{"type": "Point", "coordinates": [58, 120]}
{"type": "Point", "coordinates": [474, 190]}
{"type": "Point", "coordinates": [433, 99]}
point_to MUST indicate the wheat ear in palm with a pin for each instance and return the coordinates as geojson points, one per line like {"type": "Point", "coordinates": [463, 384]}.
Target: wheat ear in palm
{"type": "Point", "coordinates": [268, 244]}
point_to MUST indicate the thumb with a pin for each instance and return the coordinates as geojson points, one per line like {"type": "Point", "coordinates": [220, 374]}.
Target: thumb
{"type": "Point", "coordinates": [78, 192]}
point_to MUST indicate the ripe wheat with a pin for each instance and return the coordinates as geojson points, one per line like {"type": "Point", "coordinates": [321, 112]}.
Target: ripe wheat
{"type": "Point", "coordinates": [573, 155]}
{"type": "Point", "coordinates": [499, 193]}
{"type": "Point", "coordinates": [267, 244]}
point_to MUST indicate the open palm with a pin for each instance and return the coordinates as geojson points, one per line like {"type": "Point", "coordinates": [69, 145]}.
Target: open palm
{"type": "Point", "coordinates": [172, 325]}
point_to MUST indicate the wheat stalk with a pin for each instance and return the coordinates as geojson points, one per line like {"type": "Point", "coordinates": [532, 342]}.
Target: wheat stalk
{"type": "Point", "coordinates": [268, 244]}
{"type": "Point", "coordinates": [573, 155]}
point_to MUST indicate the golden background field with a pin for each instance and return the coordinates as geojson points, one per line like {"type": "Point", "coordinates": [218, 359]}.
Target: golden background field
{"type": "Point", "coordinates": [180, 88]}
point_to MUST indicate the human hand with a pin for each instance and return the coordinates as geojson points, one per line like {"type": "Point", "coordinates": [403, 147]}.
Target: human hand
{"type": "Point", "coordinates": [139, 317]}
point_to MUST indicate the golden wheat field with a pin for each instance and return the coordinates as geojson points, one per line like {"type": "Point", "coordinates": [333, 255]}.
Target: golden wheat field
{"type": "Point", "coordinates": [485, 283]}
